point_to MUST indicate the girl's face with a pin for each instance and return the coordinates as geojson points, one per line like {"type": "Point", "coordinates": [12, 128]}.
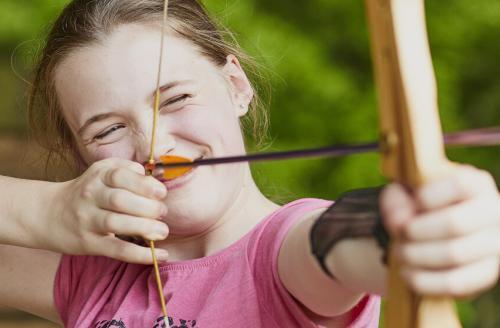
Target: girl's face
{"type": "Point", "coordinates": [106, 92]}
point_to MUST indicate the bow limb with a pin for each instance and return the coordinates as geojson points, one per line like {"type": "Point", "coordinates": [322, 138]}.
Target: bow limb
{"type": "Point", "coordinates": [411, 137]}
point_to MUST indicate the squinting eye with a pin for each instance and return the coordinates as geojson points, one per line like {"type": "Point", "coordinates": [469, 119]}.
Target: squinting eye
{"type": "Point", "coordinates": [109, 131]}
{"type": "Point", "coordinates": [176, 99]}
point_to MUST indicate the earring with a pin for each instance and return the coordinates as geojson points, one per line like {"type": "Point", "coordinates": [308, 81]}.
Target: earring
{"type": "Point", "coordinates": [242, 106]}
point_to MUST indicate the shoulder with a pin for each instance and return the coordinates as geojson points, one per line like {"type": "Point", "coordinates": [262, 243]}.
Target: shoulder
{"type": "Point", "coordinates": [289, 214]}
{"type": "Point", "coordinates": [305, 204]}
{"type": "Point", "coordinates": [272, 229]}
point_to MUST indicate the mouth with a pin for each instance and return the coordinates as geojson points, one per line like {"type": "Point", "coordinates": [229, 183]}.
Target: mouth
{"type": "Point", "coordinates": [173, 176]}
{"type": "Point", "coordinates": [179, 181]}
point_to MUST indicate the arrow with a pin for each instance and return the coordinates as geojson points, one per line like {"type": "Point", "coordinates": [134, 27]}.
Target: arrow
{"type": "Point", "coordinates": [472, 138]}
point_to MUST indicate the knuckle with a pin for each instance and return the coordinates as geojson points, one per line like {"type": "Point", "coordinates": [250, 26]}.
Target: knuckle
{"type": "Point", "coordinates": [137, 167]}
{"type": "Point", "coordinates": [86, 192]}
{"type": "Point", "coordinates": [115, 200]}
{"type": "Point", "coordinates": [114, 176]}
{"type": "Point", "coordinates": [109, 222]}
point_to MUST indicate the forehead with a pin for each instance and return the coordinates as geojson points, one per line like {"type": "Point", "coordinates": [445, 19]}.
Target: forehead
{"type": "Point", "coordinates": [123, 67]}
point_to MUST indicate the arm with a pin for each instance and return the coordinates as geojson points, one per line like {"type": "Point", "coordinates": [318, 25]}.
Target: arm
{"type": "Point", "coordinates": [349, 261]}
{"type": "Point", "coordinates": [26, 274]}
{"type": "Point", "coordinates": [22, 204]}
{"type": "Point", "coordinates": [27, 280]}
{"type": "Point", "coordinates": [442, 251]}
{"type": "Point", "coordinates": [39, 220]}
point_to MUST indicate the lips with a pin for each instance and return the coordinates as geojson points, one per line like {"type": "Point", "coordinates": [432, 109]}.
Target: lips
{"type": "Point", "coordinates": [180, 181]}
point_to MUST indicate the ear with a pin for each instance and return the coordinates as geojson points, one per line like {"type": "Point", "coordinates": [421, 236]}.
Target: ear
{"type": "Point", "coordinates": [240, 87]}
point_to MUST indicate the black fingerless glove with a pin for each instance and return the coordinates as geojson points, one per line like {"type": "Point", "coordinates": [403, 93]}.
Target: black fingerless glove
{"type": "Point", "coordinates": [355, 214]}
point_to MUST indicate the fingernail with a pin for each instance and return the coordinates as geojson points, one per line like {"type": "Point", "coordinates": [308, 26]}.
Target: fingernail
{"type": "Point", "coordinates": [162, 230]}
{"type": "Point", "coordinates": [162, 255]}
{"type": "Point", "coordinates": [160, 233]}
{"type": "Point", "coordinates": [160, 192]}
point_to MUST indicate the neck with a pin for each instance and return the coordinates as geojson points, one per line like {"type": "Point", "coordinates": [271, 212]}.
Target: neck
{"type": "Point", "coordinates": [247, 210]}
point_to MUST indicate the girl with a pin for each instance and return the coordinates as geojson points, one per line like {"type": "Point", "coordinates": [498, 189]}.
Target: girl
{"type": "Point", "coordinates": [230, 257]}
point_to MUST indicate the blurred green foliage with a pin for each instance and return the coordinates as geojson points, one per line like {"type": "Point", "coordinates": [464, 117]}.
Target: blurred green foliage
{"type": "Point", "coordinates": [318, 60]}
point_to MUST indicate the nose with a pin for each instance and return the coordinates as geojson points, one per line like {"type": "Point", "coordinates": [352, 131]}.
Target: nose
{"type": "Point", "coordinates": [163, 144]}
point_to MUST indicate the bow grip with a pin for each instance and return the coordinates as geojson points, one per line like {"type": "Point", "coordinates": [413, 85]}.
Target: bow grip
{"type": "Point", "coordinates": [411, 137]}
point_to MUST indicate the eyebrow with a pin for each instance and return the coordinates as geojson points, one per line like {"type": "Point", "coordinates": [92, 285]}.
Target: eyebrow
{"type": "Point", "coordinates": [103, 116]}
{"type": "Point", "coordinates": [172, 84]}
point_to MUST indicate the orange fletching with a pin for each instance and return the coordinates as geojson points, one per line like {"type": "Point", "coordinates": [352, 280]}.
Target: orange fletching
{"type": "Point", "coordinates": [172, 173]}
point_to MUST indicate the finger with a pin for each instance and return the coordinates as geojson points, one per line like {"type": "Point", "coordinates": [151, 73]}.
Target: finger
{"type": "Point", "coordinates": [464, 182]}
{"type": "Point", "coordinates": [397, 208]}
{"type": "Point", "coordinates": [458, 282]}
{"type": "Point", "coordinates": [115, 162]}
{"type": "Point", "coordinates": [135, 166]}
{"type": "Point", "coordinates": [134, 181]}
{"type": "Point", "coordinates": [126, 202]}
{"type": "Point", "coordinates": [450, 253]}
{"type": "Point", "coordinates": [456, 220]}
{"type": "Point", "coordinates": [128, 252]}
{"type": "Point", "coordinates": [121, 224]}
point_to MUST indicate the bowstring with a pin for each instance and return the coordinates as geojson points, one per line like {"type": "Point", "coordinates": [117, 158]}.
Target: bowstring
{"type": "Point", "coordinates": [151, 161]}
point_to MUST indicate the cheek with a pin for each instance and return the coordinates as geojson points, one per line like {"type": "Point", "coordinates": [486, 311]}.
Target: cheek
{"type": "Point", "coordinates": [122, 149]}
{"type": "Point", "coordinates": [215, 126]}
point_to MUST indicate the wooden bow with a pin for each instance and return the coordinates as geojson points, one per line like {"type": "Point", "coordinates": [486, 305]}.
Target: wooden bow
{"type": "Point", "coordinates": [413, 151]}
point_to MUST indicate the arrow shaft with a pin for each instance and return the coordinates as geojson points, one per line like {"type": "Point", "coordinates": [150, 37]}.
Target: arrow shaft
{"type": "Point", "coordinates": [476, 138]}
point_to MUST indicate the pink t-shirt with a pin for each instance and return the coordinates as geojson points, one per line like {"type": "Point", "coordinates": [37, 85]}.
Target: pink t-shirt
{"type": "Point", "coordinates": [236, 287]}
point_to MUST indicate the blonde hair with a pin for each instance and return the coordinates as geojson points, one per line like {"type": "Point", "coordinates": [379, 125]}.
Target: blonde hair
{"type": "Point", "coordinates": [85, 22]}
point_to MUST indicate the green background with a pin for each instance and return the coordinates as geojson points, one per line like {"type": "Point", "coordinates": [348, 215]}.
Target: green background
{"type": "Point", "coordinates": [317, 60]}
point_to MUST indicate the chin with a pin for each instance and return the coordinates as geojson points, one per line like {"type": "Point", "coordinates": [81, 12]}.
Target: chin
{"type": "Point", "coordinates": [201, 200]}
{"type": "Point", "coordinates": [184, 224]}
